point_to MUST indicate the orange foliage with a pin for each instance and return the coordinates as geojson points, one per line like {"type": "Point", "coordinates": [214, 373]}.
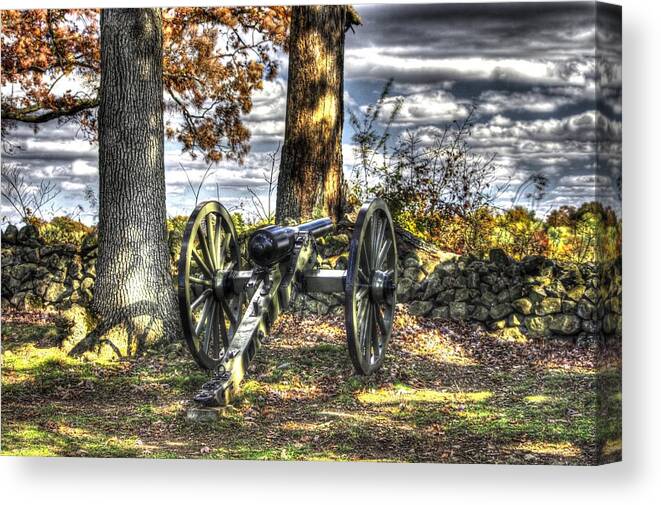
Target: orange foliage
{"type": "Point", "coordinates": [213, 60]}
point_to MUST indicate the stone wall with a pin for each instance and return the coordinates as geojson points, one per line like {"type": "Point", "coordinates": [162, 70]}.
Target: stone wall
{"type": "Point", "coordinates": [39, 275]}
{"type": "Point", "coordinates": [535, 297]}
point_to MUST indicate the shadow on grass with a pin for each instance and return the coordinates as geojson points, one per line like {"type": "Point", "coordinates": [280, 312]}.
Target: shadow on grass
{"type": "Point", "coordinates": [302, 401]}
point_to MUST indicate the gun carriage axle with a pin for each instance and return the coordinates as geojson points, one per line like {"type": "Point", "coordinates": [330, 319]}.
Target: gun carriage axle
{"type": "Point", "coordinates": [226, 312]}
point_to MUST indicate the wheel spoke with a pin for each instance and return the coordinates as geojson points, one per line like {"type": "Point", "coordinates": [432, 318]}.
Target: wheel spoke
{"type": "Point", "coordinates": [204, 245]}
{"type": "Point", "coordinates": [229, 313]}
{"type": "Point", "coordinates": [382, 232]}
{"type": "Point", "coordinates": [199, 280]}
{"type": "Point", "coordinates": [215, 321]}
{"type": "Point", "coordinates": [224, 249]}
{"type": "Point", "coordinates": [201, 263]}
{"type": "Point", "coordinates": [203, 316]}
{"type": "Point", "coordinates": [367, 328]}
{"type": "Point", "coordinates": [200, 299]}
{"type": "Point", "coordinates": [219, 240]}
{"type": "Point", "coordinates": [360, 314]}
{"type": "Point", "coordinates": [380, 321]}
{"type": "Point", "coordinates": [376, 240]}
{"type": "Point", "coordinates": [211, 239]}
{"type": "Point", "coordinates": [383, 254]}
{"type": "Point", "coordinates": [376, 340]}
{"type": "Point", "coordinates": [365, 260]}
{"type": "Point", "coordinates": [223, 331]}
{"type": "Point", "coordinates": [361, 292]}
{"type": "Point", "coordinates": [208, 329]}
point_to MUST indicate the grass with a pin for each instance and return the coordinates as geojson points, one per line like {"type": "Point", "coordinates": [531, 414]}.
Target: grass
{"type": "Point", "coordinates": [445, 394]}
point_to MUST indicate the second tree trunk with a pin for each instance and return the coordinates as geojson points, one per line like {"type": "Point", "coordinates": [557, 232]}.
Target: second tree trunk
{"type": "Point", "coordinates": [310, 180]}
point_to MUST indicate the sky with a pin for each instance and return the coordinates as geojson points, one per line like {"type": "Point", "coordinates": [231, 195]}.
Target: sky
{"type": "Point", "coordinates": [534, 71]}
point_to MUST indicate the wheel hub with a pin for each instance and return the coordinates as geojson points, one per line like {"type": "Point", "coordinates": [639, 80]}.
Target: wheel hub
{"type": "Point", "coordinates": [382, 286]}
{"type": "Point", "coordinates": [220, 282]}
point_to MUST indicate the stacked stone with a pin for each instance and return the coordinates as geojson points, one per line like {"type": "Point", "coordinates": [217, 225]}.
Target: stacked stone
{"type": "Point", "coordinates": [537, 296]}
{"type": "Point", "coordinates": [543, 298]}
{"type": "Point", "coordinates": [39, 275]}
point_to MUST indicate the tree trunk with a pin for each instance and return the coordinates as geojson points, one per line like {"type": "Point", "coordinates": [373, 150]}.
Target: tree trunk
{"type": "Point", "coordinates": [133, 289]}
{"type": "Point", "coordinates": [310, 178]}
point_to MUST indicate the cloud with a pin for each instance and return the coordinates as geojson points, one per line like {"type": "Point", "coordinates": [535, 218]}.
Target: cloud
{"type": "Point", "coordinates": [497, 102]}
{"type": "Point", "coordinates": [424, 108]}
{"type": "Point", "coordinates": [530, 68]}
{"type": "Point", "coordinates": [83, 167]}
{"type": "Point", "coordinates": [408, 68]}
{"type": "Point", "coordinates": [72, 186]}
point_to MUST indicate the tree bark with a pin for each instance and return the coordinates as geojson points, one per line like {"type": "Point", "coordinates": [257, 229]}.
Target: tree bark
{"type": "Point", "coordinates": [133, 289]}
{"type": "Point", "coordinates": [310, 180]}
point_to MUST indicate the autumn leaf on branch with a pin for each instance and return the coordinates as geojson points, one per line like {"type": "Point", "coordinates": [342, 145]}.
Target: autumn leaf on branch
{"type": "Point", "coordinates": [213, 60]}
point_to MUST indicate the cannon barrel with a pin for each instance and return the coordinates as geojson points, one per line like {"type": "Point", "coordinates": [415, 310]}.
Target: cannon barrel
{"type": "Point", "coordinates": [272, 244]}
{"type": "Point", "coordinates": [317, 228]}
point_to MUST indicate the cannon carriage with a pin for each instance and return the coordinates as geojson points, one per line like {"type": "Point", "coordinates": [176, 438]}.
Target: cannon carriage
{"type": "Point", "coordinates": [227, 311]}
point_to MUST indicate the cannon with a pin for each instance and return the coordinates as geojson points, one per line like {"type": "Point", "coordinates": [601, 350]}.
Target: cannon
{"type": "Point", "coordinates": [226, 311]}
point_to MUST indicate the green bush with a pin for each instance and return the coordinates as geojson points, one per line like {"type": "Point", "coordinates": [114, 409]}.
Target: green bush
{"type": "Point", "coordinates": [61, 230]}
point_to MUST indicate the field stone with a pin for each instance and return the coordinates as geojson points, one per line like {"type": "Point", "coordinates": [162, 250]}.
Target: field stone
{"type": "Point", "coordinates": [404, 289]}
{"type": "Point", "coordinates": [10, 235]}
{"type": "Point", "coordinates": [585, 309]}
{"type": "Point", "coordinates": [441, 312]}
{"type": "Point", "coordinates": [503, 296]}
{"type": "Point", "coordinates": [414, 273]}
{"type": "Point", "coordinates": [576, 293]}
{"type": "Point", "coordinates": [54, 291]}
{"type": "Point", "coordinates": [420, 307]}
{"type": "Point", "coordinates": [473, 280]}
{"type": "Point", "coordinates": [537, 326]}
{"type": "Point", "coordinates": [500, 311]}
{"type": "Point", "coordinates": [591, 294]}
{"type": "Point", "coordinates": [568, 306]}
{"type": "Point", "coordinates": [446, 296]}
{"type": "Point", "coordinates": [564, 324]}
{"type": "Point", "coordinates": [28, 254]}
{"type": "Point", "coordinates": [589, 327]}
{"type": "Point", "coordinates": [548, 306]}
{"type": "Point", "coordinates": [488, 299]}
{"type": "Point", "coordinates": [434, 287]}
{"type": "Point", "coordinates": [555, 290]}
{"type": "Point", "coordinates": [75, 270]}
{"type": "Point", "coordinates": [412, 262]}
{"type": "Point", "coordinates": [480, 313]}
{"type": "Point", "coordinates": [498, 325]}
{"type": "Point", "coordinates": [499, 257]}
{"type": "Point", "coordinates": [537, 293]}
{"type": "Point", "coordinates": [28, 235]}
{"type": "Point", "coordinates": [523, 305]}
{"type": "Point", "coordinates": [24, 271]}
{"type": "Point", "coordinates": [532, 265]}
{"type": "Point", "coordinates": [513, 320]}
{"type": "Point", "coordinates": [461, 295]}
{"type": "Point", "coordinates": [458, 310]}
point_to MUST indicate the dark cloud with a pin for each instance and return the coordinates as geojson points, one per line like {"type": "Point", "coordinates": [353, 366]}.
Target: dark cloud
{"type": "Point", "coordinates": [545, 81]}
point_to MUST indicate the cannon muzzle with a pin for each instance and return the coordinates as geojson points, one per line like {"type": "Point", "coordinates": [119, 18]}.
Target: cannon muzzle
{"type": "Point", "coordinates": [273, 244]}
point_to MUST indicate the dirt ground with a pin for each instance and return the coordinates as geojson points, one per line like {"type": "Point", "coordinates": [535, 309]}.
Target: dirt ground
{"type": "Point", "coordinates": [447, 393]}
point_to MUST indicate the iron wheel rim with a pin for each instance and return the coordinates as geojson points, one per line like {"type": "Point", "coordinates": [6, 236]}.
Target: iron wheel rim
{"type": "Point", "coordinates": [368, 318]}
{"type": "Point", "coordinates": [210, 313]}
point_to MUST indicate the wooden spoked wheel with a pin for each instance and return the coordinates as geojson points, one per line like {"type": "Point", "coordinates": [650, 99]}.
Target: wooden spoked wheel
{"type": "Point", "coordinates": [370, 294]}
{"type": "Point", "coordinates": [210, 309]}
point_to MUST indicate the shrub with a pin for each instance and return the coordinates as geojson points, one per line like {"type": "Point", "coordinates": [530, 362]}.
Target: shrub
{"type": "Point", "coordinates": [61, 230]}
